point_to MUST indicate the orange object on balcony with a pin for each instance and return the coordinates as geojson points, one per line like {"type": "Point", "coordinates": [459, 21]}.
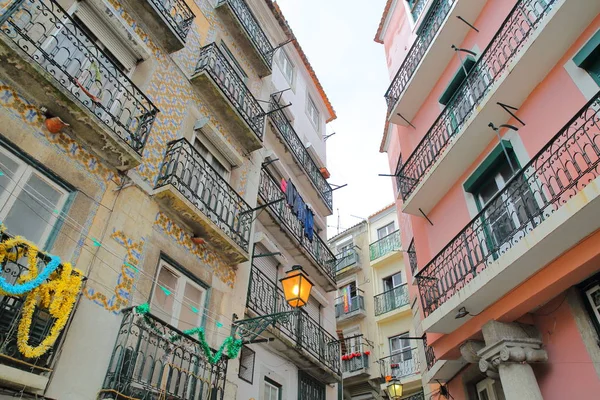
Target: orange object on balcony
{"type": "Point", "coordinates": [55, 124]}
{"type": "Point", "coordinates": [325, 172]}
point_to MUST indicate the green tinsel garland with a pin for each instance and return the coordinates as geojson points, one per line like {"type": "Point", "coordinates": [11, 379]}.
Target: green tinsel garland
{"type": "Point", "coordinates": [230, 345]}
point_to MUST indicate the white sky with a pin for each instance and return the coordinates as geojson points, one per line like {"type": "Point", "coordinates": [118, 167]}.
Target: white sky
{"type": "Point", "coordinates": [337, 36]}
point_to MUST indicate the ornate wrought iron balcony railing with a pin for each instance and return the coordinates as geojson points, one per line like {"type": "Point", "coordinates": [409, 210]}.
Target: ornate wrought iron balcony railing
{"type": "Point", "coordinates": [417, 8]}
{"type": "Point", "coordinates": [214, 63]}
{"type": "Point", "coordinates": [416, 396]}
{"type": "Point", "coordinates": [145, 364]}
{"type": "Point", "coordinates": [265, 297]}
{"type": "Point", "coordinates": [54, 41]}
{"type": "Point", "coordinates": [429, 354]}
{"type": "Point", "coordinates": [252, 27]}
{"type": "Point", "coordinates": [356, 303]}
{"type": "Point", "coordinates": [385, 245]}
{"type": "Point", "coordinates": [302, 156]}
{"type": "Point", "coordinates": [355, 354]}
{"type": "Point", "coordinates": [269, 191]}
{"type": "Point", "coordinates": [400, 365]}
{"type": "Point", "coordinates": [11, 311]}
{"type": "Point", "coordinates": [514, 33]}
{"type": "Point", "coordinates": [178, 15]}
{"type": "Point", "coordinates": [412, 258]}
{"type": "Point", "coordinates": [345, 259]}
{"type": "Point", "coordinates": [391, 300]}
{"type": "Point", "coordinates": [561, 169]}
{"type": "Point", "coordinates": [429, 29]}
{"type": "Point", "coordinates": [185, 169]}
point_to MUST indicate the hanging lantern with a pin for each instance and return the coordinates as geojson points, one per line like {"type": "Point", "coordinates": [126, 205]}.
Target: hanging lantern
{"type": "Point", "coordinates": [296, 287]}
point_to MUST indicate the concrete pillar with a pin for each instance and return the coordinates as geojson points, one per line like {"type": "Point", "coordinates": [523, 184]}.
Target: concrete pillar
{"type": "Point", "coordinates": [509, 350]}
{"type": "Point", "coordinates": [518, 382]}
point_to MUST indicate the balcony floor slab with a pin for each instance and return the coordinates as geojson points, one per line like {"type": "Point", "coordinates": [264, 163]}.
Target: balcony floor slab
{"type": "Point", "coordinates": [39, 86]}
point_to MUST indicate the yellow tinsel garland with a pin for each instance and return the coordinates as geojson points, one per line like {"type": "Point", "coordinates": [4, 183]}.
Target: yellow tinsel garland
{"type": "Point", "coordinates": [58, 295]}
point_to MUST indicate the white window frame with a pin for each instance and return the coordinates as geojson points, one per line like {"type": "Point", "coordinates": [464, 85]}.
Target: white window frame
{"type": "Point", "coordinates": [593, 306]}
{"type": "Point", "coordinates": [313, 113]}
{"type": "Point", "coordinates": [214, 153]}
{"type": "Point", "coordinates": [270, 387]}
{"type": "Point", "coordinates": [18, 183]}
{"type": "Point", "coordinates": [387, 230]}
{"type": "Point", "coordinates": [178, 292]}
{"type": "Point", "coordinates": [404, 347]}
{"type": "Point", "coordinates": [394, 284]}
{"type": "Point", "coordinates": [288, 69]}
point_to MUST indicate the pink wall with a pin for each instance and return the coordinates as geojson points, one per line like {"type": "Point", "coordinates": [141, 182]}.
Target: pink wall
{"type": "Point", "coordinates": [398, 38]}
{"type": "Point", "coordinates": [569, 373]}
{"type": "Point", "coordinates": [552, 104]}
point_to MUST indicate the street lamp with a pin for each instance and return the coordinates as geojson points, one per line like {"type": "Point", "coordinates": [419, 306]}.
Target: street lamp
{"type": "Point", "coordinates": [296, 290]}
{"type": "Point", "coordinates": [296, 287]}
{"type": "Point", "coordinates": [394, 389]}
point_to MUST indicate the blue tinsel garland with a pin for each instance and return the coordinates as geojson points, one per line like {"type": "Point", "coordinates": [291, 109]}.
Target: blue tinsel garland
{"type": "Point", "coordinates": [19, 289]}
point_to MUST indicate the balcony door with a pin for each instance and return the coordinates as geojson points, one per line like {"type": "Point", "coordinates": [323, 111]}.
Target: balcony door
{"type": "Point", "coordinates": [507, 216]}
{"type": "Point", "coordinates": [393, 298]}
{"type": "Point", "coordinates": [401, 360]}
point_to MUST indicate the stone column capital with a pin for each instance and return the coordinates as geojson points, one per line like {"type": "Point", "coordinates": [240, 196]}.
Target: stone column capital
{"type": "Point", "coordinates": [514, 350]}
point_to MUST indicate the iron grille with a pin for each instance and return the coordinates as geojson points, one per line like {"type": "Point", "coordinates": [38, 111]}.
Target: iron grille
{"type": "Point", "coordinates": [270, 191]}
{"type": "Point", "coordinates": [429, 28]}
{"type": "Point", "coordinates": [412, 258]}
{"type": "Point", "coordinates": [188, 172]}
{"type": "Point", "coordinates": [214, 63]}
{"type": "Point", "coordinates": [177, 14]}
{"type": "Point", "coordinates": [301, 155]}
{"type": "Point", "coordinates": [429, 353]}
{"type": "Point", "coordinates": [391, 299]}
{"type": "Point", "coordinates": [146, 365]}
{"type": "Point", "coordinates": [11, 308]}
{"type": "Point", "coordinates": [53, 40]}
{"type": "Point", "coordinates": [561, 169]}
{"type": "Point", "coordinates": [513, 35]}
{"type": "Point", "coordinates": [385, 245]}
{"type": "Point", "coordinates": [265, 298]}
{"type": "Point", "coordinates": [417, 8]}
{"type": "Point", "coordinates": [257, 36]}
{"type": "Point", "coordinates": [357, 303]}
{"type": "Point", "coordinates": [246, 372]}
{"type": "Point", "coordinates": [309, 388]}
{"type": "Point", "coordinates": [345, 259]}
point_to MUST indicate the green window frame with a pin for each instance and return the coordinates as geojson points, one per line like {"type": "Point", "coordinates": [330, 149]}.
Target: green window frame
{"type": "Point", "coordinates": [276, 385]}
{"type": "Point", "coordinates": [588, 58]}
{"type": "Point", "coordinates": [457, 80]}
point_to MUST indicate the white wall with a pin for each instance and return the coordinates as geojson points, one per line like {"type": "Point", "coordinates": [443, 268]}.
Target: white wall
{"type": "Point", "coordinates": [381, 220]}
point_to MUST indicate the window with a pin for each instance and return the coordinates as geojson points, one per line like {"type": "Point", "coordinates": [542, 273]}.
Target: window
{"type": "Point", "coordinates": [344, 249]}
{"type": "Point", "coordinates": [593, 297]}
{"type": "Point", "coordinates": [486, 390]}
{"type": "Point", "coordinates": [400, 348]}
{"type": "Point", "coordinates": [272, 390]}
{"type": "Point", "coordinates": [28, 199]}
{"type": "Point", "coordinates": [392, 281]}
{"type": "Point", "coordinates": [210, 154]}
{"type": "Point", "coordinates": [386, 230]}
{"type": "Point", "coordinates": [588, 57]}
{"type": "Point", "coordinates": [246, 372]}
{"type": "Point", "coordinates": [313, 113]}
{"type": "Point", "coordinates": [287, 67]}
{"type": "Point", "coordinates": [233, 62]}
{"type": "Point", "coordinates": [507, 213]}
{"type": "Point", "coordinates": [177, 299]}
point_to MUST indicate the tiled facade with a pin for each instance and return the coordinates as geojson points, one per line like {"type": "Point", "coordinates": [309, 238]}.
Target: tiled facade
{"type": "Point", "coordinates": [111, 226]}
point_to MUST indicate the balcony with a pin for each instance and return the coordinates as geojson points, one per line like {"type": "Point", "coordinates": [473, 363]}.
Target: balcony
{"type": "Point", "coordinates": [17, 371]}
{"type": "Point", "coordinates": [193, 193]}
{"type": "Point", "coordinates": [319, 261]}
{"type": "Point", "coordinates": [417, 8]}
{"type": "Point", "coordinates": [429, 55]}
{"type": "Point", "coordinates": [547, 207]}
{"type": "Point", "coordinates": [412, 258]}
{"type": "Point", "coordinates": [353, 312]}
{"type": "Point", "coordinates": [386, 245]}
{"type": "Point", "coordinates": [301, 338]}
{"type": "Point", "coordinates": [308, 171]}
{"type": "Point", "coordinates": [400, 365]}
{"type": "Point", "coordinates": [355, 358]}
{"type": "Point", "coordinates": [169, 20]}
{"type": "Point", "coordinates": [394, 299]}
{"type": "Point", "coordinates": [346, 262]}
{"type": "Point", "coordinates": [46, 55]}
{"type": "Point", "coordinates": [248, 34]}
{"type": "Point", "coordinates": [229, 97]}
{"type": "Point", "coordinates": [146, 365]}
{"type": "Point", "coordinates": [529, 43]}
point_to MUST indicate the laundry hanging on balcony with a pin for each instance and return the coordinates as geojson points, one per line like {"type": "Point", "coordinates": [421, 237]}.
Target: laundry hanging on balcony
{"type": "Point", "coordinates": [299, 208]}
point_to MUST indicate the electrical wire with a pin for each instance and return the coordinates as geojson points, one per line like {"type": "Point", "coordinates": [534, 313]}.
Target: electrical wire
{"type": "Point", "coordinates": [190, 302]}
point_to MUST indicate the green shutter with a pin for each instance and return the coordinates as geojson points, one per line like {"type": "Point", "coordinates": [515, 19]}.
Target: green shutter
{"type": "Point", "coordinates": [488, 166]}
{"type": "Point", "coordinates": [588, 57]}
{"type": "Point", "coordinates": [457, 80]}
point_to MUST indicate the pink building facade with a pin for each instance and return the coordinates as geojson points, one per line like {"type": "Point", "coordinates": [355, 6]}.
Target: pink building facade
{"type": "Point", "coordinates": [493, 135]}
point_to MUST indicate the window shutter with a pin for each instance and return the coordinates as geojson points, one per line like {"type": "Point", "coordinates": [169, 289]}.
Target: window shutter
{"type": "Point", "coordinates": [313, 310]}
{"type": "Point", "coordinates": [109, 39]}
{"type": "Point", "coordinates": [267, 265]}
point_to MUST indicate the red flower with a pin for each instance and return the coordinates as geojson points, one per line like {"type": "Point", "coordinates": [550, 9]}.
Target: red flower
{"type": "Point", "coordinates": [367, 353]}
